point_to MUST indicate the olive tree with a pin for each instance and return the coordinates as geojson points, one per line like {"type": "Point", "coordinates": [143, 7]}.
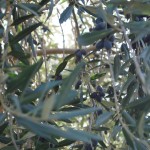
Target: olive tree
{"type": "Point", "coordinates": [92, 95]}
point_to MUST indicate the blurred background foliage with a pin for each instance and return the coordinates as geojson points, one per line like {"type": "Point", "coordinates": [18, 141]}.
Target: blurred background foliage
{"type": "Point", "coordinates": [74, 74]}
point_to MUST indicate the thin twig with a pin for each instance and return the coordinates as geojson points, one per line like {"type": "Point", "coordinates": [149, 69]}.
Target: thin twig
{"type": "Point", "coordinates": [60, 50]}
{"type": "Point", "coordinates": [44, 54]}
{"type": "Point", "coordinates": [76, 25]}
{"type": "Point", "coordinates": [62, 34]}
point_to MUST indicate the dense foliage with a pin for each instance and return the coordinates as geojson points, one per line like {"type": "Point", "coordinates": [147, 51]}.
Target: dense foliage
{"type": "Point", "coordinates": [96, 96]}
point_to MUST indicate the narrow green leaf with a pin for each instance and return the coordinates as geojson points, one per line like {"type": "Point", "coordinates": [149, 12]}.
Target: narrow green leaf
{"type": "Point", "coordinates": [140, 29]}
{"type": "Point", "coordinates": [69, 57]}
{"type": "Point", "coordinates": [61, 67]}
{"type": "Point", "coordinates": [91, 37]}
{"type": "Point", "coordinates": [103, 118]}
{"type": "Point", "coordinates": [43, 130]}
{"type": "Point", "coordinates": [4, 139]}
{"type": "Point", "coordinates": [18, 52]}
{"type": "Point", "coordinates": [66, 99]}
{"type": "Point", "coordinates": [130, 93]}
{"type": "Point", "coordinates": [108, 104]}
{"type": "Point", "coordinates": [129, 139]}
{"type": "Point", "coordinates": [97, 76]}
{"type": "Point", "coordinates": [115, 131]}
{"type": "Point", "coordinates": [8, 148]}
{"type": "Point", "coordinates": [84, 136]}
{"type": "Point", "coordinates": [140, 124]}
{"type": "Point", "coordinates": [32, 8]}
{"type": "Point", "coordinates": [141, 146]}
{"type": "Point", "coordinates": [129, 120]}
{"type": "Point", "coordinates": [24, 33]}
{"type": "Point", "coordinates": [71, 114]}
{"type": "Point", "coordinates": [99, 11]}
{"type": "Point", "coordinates": [67, 84]}
{"type": "Point", "coordinates": [39, 92]}
{"type": "Point", "coordinates": [1, 31]}
{"type": "Point", "coordinates": [31, 44]}
{"type": "Point", "coordinates": [3, 127]}
{"type": "Point", "coordinates": [21, 81]}
{"type": "Point", "coordinates": [117, 65]}
{"type": "Point", "coordinates": [125, 65]}
{"type": "Point", "coordinates": [137, 8]}
{"type": "Point", "coordinates": [66, 14]}
{"type": "Point", "coordinates": [130, 78]}
{"type": "Point", "coordinates": [2, 117]}
{"type": "Point", "coordinates": [47, 131]}
{"type": "Point", "coordinates": [139, 103]}
{"type": "Point", "coordinates": [51, 6]}
{"type": "Point", "coordinates": [21, 19]}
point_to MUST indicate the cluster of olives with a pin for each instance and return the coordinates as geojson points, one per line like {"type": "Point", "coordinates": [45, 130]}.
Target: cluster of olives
{"type": "Point", "coordinates": [107, 42]}
{"type": "Point", "coordinates": [98, 95]}
{"type": "Point", "coordinates": [79, 54]}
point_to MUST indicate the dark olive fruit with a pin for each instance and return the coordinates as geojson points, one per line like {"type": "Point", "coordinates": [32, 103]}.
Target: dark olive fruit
{"type": "Point", "coordinates": [90, 29]}
{"type": "Point", "coordinates": [98, 98]}
{"type": "Point", "coordinates": [110, 91]}
{"type": "Point", "coordinates": [99, 112]}
{"type": "Point", "coordinates": [78, 59]}
{"type": "Point", "coordinates": [35, 42]}
{"type": "Point", "coordinates": [88, 147]}
{"type": "Point", "coordinates": [111, 38]}
{"type": "Point", "coordinates": [106, 65]}
{"type": "Point", "coordinates": [134, 45]}
{"type": "Point", "coordinates": [100, 26]}
{"type": "Point", "coordinates": [100, 45]}
{"type": "Point", "coordinates": [77, 85]}
{"type": "Point", "coordinates": [41, 139]}
{"type": "Point", "coordinates": [94, 143]}
{"type": "Point", "coordinates": [138, 18]}
{"type": "Point", "coordinates": [58, 77]}
{"type": "Point", "coordinates": [99, 89]}
{"type": "Point", "coordinates": [102, 94]}
{"type": "Point", "coordinates": [108, 26]}
{"type": "Point", "coordinates": [78, 54]}
{"type": "Point", "coordinates": [98, 20]}
{"type": "Point", "coordinates": [83, 52]}
{"type": "Point", "coordinates": [107, 44]}
{"type": "Point", "coordinates": [127, 16]}
{"type": "Point", "coordinates": [45, 29]}
{"type": "Point", "coordinates": [121, 57]}
{"type": "Point", "coordinates": [93, 95]}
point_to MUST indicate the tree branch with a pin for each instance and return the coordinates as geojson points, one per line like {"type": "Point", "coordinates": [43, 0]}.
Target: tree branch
{"type": "Point", "coordinates": [61, 50]}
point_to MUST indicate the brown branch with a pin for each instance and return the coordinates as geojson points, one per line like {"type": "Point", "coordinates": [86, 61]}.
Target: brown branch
{"type": "Point", "coordinates": [61, 50]}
